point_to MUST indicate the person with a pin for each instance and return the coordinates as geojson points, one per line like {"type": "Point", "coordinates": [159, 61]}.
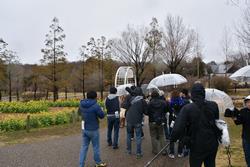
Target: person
{"type": "Point", "coordinates": [243, 118]}
{"type": "Point", "coordinates": [122, 112]}
{"type": "Point", "coordinates": [127, 104]}
{"type": "Point", "coordinates": [185, 96]}
{"type": "Point", "coordinates": [113, 117]}
{"type": "Point", "coordinates": [199, 118]}
{"type": "Point", "coordinates": [156, 112]}
{"type": "Point", "coordinates": [90, 112]}
{"type": "Point", "coordinates": [176, 103]}
{"type": "Point", "coordinates": [136, 108]}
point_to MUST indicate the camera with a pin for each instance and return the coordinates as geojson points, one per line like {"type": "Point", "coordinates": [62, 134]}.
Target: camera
{"type": "Point", "coordinates": [231, 113]}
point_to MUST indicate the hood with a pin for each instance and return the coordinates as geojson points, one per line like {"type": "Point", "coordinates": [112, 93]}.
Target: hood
{"type": "Point", "coordinates": [111, 96]}
{"type": "Point", "coordinates": [198, 93]}
{"type": "Point", "coordinates": [156, 103]}
{"type": "Point", "coordinates": [138, 91]}
{"type": "Point", "coordinates": [86, 103]}
{"type": "Point", "coordinates": [136, 99]}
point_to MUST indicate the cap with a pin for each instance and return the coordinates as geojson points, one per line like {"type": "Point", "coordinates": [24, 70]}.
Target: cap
{"type": "Point", "coordinates": [247, 98]}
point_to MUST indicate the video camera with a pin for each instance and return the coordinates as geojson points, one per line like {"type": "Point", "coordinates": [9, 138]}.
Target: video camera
{"type": "Point", "coordinates": [231, 113]}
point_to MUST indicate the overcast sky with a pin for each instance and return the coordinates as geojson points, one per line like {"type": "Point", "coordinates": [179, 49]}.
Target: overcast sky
{"type": "Point", "coordinates": [24, 23]}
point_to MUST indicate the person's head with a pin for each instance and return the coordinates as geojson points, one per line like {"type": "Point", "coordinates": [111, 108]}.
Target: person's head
{"type": "Point", "coordinates": [91, 95]}
{"type": "Point", "coordinates": [175, 94]}
{"type": "Point", "coordinates": [138, 91]}
{"type": "Point", "coordinates": [198, 92]}
{"type": "Point", "coordinates": [112, 90]}
{"type": "Point", "coordinates": [184, 93]}
{"type": "Point", "coordinates": [247, 101]}
{"type": "Point", "coordinates": [154, 94]}
{"type": "Point", "coordinates": [133, 87]}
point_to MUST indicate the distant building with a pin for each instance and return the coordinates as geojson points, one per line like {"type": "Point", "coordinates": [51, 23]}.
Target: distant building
{"type": "Point", "coordinates": [222, 69]}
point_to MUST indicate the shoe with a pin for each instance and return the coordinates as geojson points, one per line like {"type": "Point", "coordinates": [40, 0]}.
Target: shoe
{"type": "Point", "coordinates": [139, 156]}
{"type": "Point", "coordinates": [128, 152]}
{"type": "Point", "coordinates": [171, 156]}
{"type": "Point", "coordinates": [115, 147]}
{"type": "Point", "coordinates": [101, 165]}
{"type": "Point", "coordinates": [109, 144]}
{"type": "Point", "coordinates": [164, 153]}
{"type": "Point", "coordinates": [180, 155]}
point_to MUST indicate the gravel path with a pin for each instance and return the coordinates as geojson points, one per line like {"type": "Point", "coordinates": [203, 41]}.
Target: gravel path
{"type": "Point", "coordinates": [64, 152]}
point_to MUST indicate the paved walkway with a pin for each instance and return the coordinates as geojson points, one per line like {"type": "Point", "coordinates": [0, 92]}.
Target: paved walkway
{"type": "Point", "coordinates": [64, 152]}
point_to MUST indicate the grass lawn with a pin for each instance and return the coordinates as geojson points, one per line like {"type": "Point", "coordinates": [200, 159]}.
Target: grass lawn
{"type": "Point", "coordinates": [237, 155]}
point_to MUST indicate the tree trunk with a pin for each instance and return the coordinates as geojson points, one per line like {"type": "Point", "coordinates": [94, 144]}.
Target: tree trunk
{"type": "Point", "coordinates": [0, 95]}
{"type": "Point", "coordinates": [10, 91]}
{"type": "Point", "coordinates": [83, 82]}
{"type": "Point", "coordinates": [66, 93]}
{"type": "Point", "coordinates": [17, 94]}
{"type": "Point", "coordinates": [35, 90]}
{"type": "Point", "coordinates": [47, 94]}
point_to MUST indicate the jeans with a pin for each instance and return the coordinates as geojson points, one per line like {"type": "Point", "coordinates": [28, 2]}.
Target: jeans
{"type": "Point", "coordinates": [133, 132]}
{"type": "Point", "coordinates": [180, 147]}
{"type": "Point", "coordinates": [113, 123]}
{"type": "Point", "coordinates": [246, 148]}
{"type": "Point", "coordinates": [87, 137]}
{"type": "Point", "coordinates": [166, 132]}
{"type": "Point", "coordinates": [138, 131]}
{"type": "Point", "coordinates": [196, 159]}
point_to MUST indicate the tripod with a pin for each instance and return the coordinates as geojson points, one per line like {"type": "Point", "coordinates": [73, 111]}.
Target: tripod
{"type": "Point", "coordinates": [156, 156]}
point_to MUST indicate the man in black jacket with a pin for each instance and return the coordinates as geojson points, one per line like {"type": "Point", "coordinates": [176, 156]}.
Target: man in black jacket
{"type": "Point", "coordinates": [244, 118]}
{"type": "Point", "coordinates": [157, 109]}
{"type": "Point", "coordinates": [137, 107]}
{"type": "Point", "coordinates": [199, 118]}
{"type": "Point", "coordinates": [113, 116]}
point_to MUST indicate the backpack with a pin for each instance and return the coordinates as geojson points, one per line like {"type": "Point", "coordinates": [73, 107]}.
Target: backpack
{"type": "Point", "coordinates": [191, 129]}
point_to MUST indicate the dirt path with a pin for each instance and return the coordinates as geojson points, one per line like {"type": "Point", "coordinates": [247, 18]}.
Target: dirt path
{"type": "Point", "coordinates": [64, 152]}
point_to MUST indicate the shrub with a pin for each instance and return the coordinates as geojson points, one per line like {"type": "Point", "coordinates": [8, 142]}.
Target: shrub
{"type": "Point", "coordinates": [221, 83]}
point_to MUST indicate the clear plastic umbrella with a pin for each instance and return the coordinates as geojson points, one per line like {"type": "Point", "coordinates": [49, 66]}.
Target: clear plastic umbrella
{"type": "Point", "coordinates": [167, 79]}
{"type": "Point", "coordinates": [243, 74]}
{"type": "Point", "coordinates": [121, 89]}
{"type": "Point", "coordinates": [223, 100]}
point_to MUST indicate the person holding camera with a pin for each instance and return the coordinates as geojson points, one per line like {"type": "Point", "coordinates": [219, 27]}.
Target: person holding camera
{"type": "Point", "coordinates": [195, 125]}
{"type": "Point", "coordinates": [157, 109]}
{"type": "Point", "coordinates": [137, 107]}
{"type": "Point", "coordinates": [242, 117]}
{"type": "Point", "coordinates": [90, 112]}
{"type": "Point", "coordinates": [113, 116]}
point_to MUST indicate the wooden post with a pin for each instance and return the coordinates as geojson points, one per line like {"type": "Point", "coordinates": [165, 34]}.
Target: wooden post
{"type": "Point", "coordinates": [28, 123]}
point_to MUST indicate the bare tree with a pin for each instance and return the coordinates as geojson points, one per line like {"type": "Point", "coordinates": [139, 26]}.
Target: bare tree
{"type": "Point", "coordinates": [132, 49]}
{"type": "Point", "coordinates": [10, 59]}
{"type": "Point", "coordinates": [54, 54]}
{"type": "Point", "coordinates": [153, 39]}
{"type": "Point", "coordinates": [178, 41]}
{"type": "Point", "coordinates": [99, 49]}
{"type": "Point", "coordinates": [84, 55]}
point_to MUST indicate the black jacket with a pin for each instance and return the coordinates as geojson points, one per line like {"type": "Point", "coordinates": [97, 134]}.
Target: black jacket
{"type": "Point", "coordinates": [157, 109]}
{"type": "Point", "coordinates": [194, 119]}
{"type": "Point", "coordinates": [137, 107]}
{"type": "Point", "coordinates": [112, 104]}
{"type": "Point", "coordinates": [244, 119]}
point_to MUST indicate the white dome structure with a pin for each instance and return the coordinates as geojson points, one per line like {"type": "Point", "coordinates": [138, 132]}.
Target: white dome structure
{"type": "Point", "coordinates": [125, 75]}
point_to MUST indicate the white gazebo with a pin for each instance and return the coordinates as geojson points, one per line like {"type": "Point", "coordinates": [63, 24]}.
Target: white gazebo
{"type": "Point", "coordinates": [125, 75]}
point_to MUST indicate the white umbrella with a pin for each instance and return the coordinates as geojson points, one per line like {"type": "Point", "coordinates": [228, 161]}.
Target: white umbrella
{"type": "Point", "coordinates": [223, 100]}
{"type": "Point", "coordinates": [167, 79]}
{"type": "Point", "coordinates": [121, 89]}
{"type": "Point", "coordinates": [243, 74]}
{"type": "Point", "coordinates": [152, 86]}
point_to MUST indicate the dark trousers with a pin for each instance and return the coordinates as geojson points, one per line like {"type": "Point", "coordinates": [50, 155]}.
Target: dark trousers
{"type": "Point", "coordinates": [196, 159]}
{"type": "Point", "coordinates": [113, 123]}
{"type": "Point", "coordinates": [180, 147]}
{"type": "Point", "coordinates": [246, 148]}
{"type": "Point", "coordinates": [133, 132]}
